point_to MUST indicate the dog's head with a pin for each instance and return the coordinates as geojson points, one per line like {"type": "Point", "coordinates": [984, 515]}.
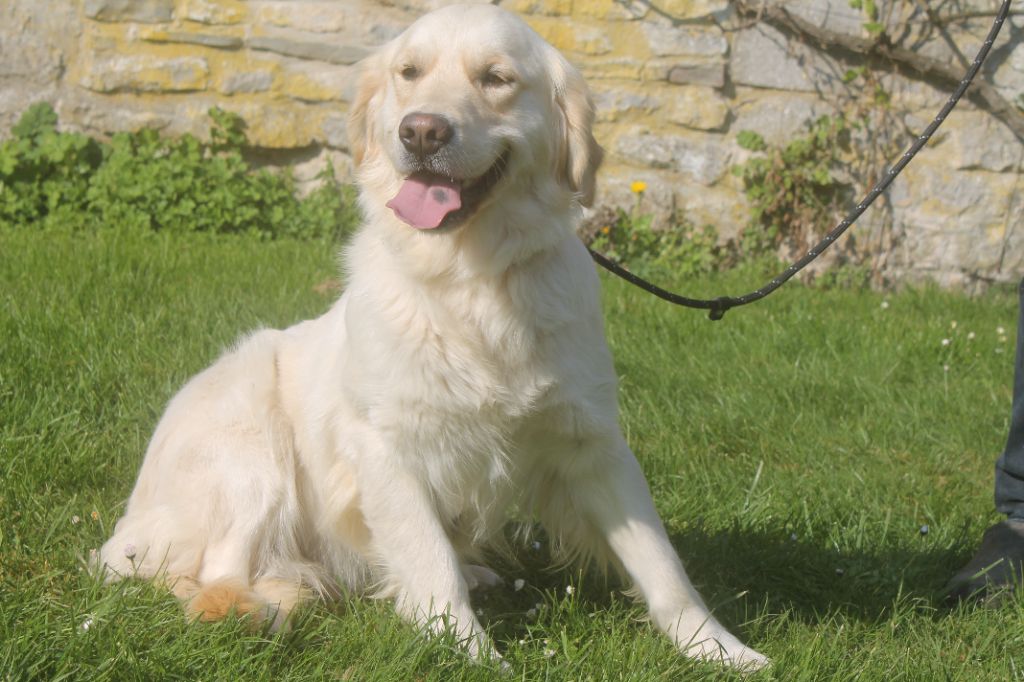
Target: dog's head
{"type": "Point", "coordinates": [466, 107]}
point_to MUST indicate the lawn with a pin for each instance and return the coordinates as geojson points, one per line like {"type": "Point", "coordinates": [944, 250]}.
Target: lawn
{"type": "Point", "coordinates": [822, 460]}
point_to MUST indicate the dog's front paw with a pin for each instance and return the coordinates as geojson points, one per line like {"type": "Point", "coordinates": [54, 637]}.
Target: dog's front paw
{"type": "Point", "coordinates": [709, 641]}
{"type": "Point", "coordinates": [480, 577]}
{"type": "Point", "coordinates": [727, 650]}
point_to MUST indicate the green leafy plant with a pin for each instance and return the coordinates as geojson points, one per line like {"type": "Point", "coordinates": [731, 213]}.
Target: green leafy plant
{"type": "Point", "coordinates": [143, 180]}
{"type": "Point", "coordinates": [679, 249]}
{"type": "Point", "coordinates": [792, 189]}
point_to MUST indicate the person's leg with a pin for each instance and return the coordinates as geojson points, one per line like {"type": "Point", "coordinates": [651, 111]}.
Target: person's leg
{"type": "Point", "coordinates": [999, 561]}
{"type": "Point", "coordinates": [1009, 493]}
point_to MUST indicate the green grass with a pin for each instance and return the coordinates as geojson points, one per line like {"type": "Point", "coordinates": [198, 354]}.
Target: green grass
{"type": "Point", "coordinates": [794, 449]}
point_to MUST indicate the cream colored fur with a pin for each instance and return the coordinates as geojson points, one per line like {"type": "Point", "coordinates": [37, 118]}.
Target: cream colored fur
{"type": "Point", "coordinates": [463, 374]}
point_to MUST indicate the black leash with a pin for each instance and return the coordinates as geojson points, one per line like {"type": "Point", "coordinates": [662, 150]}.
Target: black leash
{"type": "Point", "coordinates": [717, 307]}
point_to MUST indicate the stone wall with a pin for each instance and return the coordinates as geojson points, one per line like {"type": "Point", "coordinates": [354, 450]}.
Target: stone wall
{"type": "Point", "coordinates": [674, 82]}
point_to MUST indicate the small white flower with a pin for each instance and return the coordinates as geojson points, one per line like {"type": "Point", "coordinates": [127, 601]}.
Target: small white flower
{"type": "Point", "coordinates": [569, 589]}
{"type": "Point", "coordinates": [885, 305]}
{"type": "Point", "coordinates": [1000, 331]}
{"type": "Point", "coordinates": [945, 368]}
{"type": "Point", "coordinates": [548, 653]}
{"type": "Point", "coordinates": [970, 336]}
{"type": "Point", "coordinates": [86, 624]}
{"type": "Point", "coordinates": [75, 520]}
{"type": "Point", "coordinates": [952, 325]}
{"type": "Point", "coordinates": [946, 342]}
{"type": "Point", "coordinates": [518, 584]}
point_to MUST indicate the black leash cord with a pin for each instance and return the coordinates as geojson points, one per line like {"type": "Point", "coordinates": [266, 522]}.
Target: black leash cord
{"type": "Point", "coordinates": [717, 307]}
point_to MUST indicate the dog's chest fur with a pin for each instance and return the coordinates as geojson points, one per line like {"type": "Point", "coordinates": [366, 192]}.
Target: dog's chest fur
{"type": "Point", "coordinates": [456, 391]}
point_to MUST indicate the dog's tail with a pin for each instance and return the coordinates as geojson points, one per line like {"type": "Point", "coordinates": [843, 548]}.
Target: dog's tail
{"type": "Point", "coordinates": [268, 600]}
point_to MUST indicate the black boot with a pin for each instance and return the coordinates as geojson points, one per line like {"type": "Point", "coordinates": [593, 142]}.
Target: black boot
{"type": "Point", "coordinates": [996, 569]}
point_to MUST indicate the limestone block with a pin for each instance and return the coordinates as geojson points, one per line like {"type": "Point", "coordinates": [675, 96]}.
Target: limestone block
{"type": "Point", "coordinates": [363, 22]}
{"type": "Point", "coordinates": [621, 68]}
{"type": "Point", "coordinates": [315, 17]}
{"type": "Point", "coordinates": [143, 11]}
{"type": "Point", "coordinates": [672, 196]}
{"type": "Point", "coordinates": [281, 125]}
{"type": "Point", "coordinates": [146, 73]}
{"type": "Point", "coordinates": [37, 40]}
{"type": "Point", "coordinates": [696, 107]}
{"type": "Point", "coordinates": [296, 44]}
{"type": "Point", "coordinates": [573, 36]}
{"type": "Point", "coordinates": [778, 118]}
{"type": "Point", "coordinates": [763, 57]}
{"type": "Point", "coordinates": [224, 42]}
{"type": "Point", "coordinates": [1006, 72]}
{"type": "Point", "coordinates": [245, 82]}
{"type": "Point", "coordinates": [694, 71]}
{"type": "Point", "coordinates": [308, 82]}
{"type": "Point", "coordinates": [701, 158]}
{"type": "Point", "coordinates": [215, 12]}
{"type": "Point", "coordinates": [666, 40]}
{"type": "Point", "coordinates": [613, 102]}
{"type": "Point", "coordinates": [697, 74]}
{"type": "Point", "coordinates": [334, 131]}
{"type": "Point", "coordinates": [978, 141]}
{"type": "Point", "coordinates": [607, 10]}
{"type": "Point", "coordinates": [419, 7]}
{"type": "Point", "coordinates": [954, 221]}
{"type": "Point", "coordinates": [543, 7]}
{"type": "Point", "coordinates": [90, 112]}
{"type": "Point", "coordinates": [692, 9]}
{"type": "Point", "coordinates": [833, 15]}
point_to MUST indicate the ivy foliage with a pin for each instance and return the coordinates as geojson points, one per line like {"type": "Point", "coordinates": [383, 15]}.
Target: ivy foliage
{"type": "Point", "coordinates": [146, 181]}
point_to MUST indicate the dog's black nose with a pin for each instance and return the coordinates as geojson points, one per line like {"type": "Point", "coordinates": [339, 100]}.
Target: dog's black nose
{"type": "Point", "coordinates": [424, 134]}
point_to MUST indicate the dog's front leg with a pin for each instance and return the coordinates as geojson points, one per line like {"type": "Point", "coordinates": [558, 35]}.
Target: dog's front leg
{"type": "Point", "coordinates": [420, 566]}
{"type": "Point", "coordinates": [614, 498]}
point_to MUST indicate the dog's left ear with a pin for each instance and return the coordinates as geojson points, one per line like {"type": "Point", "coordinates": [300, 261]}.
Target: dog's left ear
{"type": "Point", "coordinates": [579, 155]}
{"type": "Point", "coordinates": [360, 133]}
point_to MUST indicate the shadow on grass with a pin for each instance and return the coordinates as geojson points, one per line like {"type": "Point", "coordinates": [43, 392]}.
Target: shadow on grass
{"type": "Point", "coordinates": [742, 571]}
{"type": "Point", "coordinates": [786, 573]}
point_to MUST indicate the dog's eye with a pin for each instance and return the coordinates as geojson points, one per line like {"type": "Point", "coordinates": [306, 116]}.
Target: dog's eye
{"type": "Point", "coordinates": [494, 78]}
{"type": "Point", "coordinates": [409, 72]}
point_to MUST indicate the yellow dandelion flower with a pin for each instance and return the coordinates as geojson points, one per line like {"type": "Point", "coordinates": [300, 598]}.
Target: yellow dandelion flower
{"type": "Point", "coordinates": [638, 187]}
{"type": "Point", "coordinates": [606, 229]}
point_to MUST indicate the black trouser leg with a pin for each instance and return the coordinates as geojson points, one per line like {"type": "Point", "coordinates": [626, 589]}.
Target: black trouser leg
{"type": "Point", "coordinates": [1009, 492]}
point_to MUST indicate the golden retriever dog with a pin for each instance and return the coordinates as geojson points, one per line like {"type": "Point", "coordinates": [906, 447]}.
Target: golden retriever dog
{"type": "Point", "coordinates": [462, 376]}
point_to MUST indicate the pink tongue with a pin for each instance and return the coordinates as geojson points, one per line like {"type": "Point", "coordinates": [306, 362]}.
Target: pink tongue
{"type": "Point", "coordinates": [424, 200]}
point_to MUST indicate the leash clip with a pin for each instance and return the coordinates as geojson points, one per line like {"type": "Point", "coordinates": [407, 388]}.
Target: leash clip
{"type": "Point", "coordinates": [719, 307]}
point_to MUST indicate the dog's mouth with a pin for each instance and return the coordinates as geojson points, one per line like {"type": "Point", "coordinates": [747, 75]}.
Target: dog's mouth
{"type": "Point", "coordinates": [428, 200]}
